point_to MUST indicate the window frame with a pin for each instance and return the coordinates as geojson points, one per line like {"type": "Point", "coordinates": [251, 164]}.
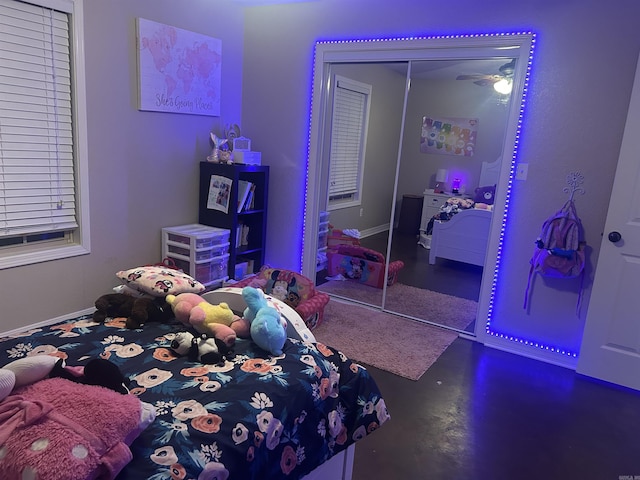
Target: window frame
{"type": "Point", "coordinates": [353, 199]}
{"type": "Point", "coordinates": [76, 241]}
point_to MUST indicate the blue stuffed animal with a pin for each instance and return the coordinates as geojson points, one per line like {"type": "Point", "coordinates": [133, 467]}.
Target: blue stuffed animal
{"type": "Point", "coordinates": [268, 328]}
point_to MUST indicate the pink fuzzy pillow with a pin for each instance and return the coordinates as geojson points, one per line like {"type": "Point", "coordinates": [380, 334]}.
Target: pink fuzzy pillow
{"type": "Point", "coordinates": [61, 430]}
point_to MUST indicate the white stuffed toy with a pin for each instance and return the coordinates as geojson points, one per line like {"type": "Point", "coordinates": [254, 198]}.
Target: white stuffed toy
{"type": "Point", "coordinates": [7, 382]}
{"type": "Point", "coordinates": [202, 348]}
{"type": "Point", "coordinates": [25, 371]}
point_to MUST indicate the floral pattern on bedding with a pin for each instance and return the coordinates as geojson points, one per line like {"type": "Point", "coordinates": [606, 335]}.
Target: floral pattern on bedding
{"type": "Point", "coordinates": [253, 417]}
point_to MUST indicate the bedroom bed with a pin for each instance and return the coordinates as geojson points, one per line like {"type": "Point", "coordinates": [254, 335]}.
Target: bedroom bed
{"type": "Point", "coordinates": [464, 236]}
{"type": "Point", "coordinates": [254, 416]}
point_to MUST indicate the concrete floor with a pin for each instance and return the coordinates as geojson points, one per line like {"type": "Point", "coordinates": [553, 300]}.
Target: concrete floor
{"type": "Point", "coordinates": [484, 414]}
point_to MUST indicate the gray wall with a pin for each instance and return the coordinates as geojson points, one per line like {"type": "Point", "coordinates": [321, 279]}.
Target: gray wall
{"type": "Point", "coordinates": [583, 69]}
{"type": "Point", "coordinates": [143, 166]}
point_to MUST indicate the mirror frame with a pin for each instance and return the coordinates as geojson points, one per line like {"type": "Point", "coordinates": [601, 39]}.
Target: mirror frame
{"type": "Point", "coordinates": [519, 45]}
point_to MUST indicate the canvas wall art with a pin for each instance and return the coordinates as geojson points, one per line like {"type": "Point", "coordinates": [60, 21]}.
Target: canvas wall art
{"type": "Point", "coordinates": [178, 70]}
{"type": "Point", "coordinates": [449, 136]}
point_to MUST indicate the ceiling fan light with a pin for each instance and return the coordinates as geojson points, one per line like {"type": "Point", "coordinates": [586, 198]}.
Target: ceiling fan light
{"type": "Point", "coordinates": [503, 86]}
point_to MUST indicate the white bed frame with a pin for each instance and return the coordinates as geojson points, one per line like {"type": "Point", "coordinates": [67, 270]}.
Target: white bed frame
{"type": "Point", "coordinates": [464, 237]}
{"type": "Point", "coordinates": [338, 467]}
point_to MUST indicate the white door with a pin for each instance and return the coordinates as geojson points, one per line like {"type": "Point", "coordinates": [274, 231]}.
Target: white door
{"type": "Point", "coordinates": [611, 343]}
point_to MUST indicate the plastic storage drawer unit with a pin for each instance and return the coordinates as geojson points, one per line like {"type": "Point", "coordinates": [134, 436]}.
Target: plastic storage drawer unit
{"type": "Point", "coordinates": [207, 271]}
{"type": "Point", "coordinates": [195, 236]}
{"type": "Point", "coordinates": [204, 254]}
{"type": "Point", "coordinates": [198, 250]}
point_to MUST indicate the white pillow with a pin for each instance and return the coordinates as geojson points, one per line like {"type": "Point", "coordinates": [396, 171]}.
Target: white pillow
{"type": "Point", "coordinates": [7, 382]}
{"type": "Point", "coordinates": [159, 281]}
{"type": "Point", "coordinates": [28, 370]}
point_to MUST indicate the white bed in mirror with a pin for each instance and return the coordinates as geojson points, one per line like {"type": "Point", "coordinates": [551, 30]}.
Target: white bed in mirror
{"type": "Point", "coordinates": [490, 172]}
{"type": "Point", "coordinates": [465, 236]}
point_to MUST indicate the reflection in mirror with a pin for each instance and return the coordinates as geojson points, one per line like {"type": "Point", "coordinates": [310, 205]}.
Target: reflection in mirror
{"type": "Point", "coordinates": [455, 123]}
{"type": "Point", "coordinates": [419, 149]}
{"type": "Point", "coordinates": [361, 207]}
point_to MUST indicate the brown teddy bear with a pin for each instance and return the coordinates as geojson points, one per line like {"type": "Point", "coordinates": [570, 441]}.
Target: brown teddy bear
{"type": "Point", "coordinates": [137, 310]}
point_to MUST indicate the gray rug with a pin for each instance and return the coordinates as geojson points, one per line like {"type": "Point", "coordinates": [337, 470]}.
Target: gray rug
{"type": "Point", "coordinates": [388, 342]}
{"type": "Point", "coordinates": [435, 307]}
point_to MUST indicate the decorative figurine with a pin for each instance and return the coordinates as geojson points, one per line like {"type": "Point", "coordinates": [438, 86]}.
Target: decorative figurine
{"type": "Point", "coordinates": [221, 152]}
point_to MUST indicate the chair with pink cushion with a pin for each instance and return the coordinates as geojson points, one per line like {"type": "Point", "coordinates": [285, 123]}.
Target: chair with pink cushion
{"type": "Point", "coordinates": [294, 289]}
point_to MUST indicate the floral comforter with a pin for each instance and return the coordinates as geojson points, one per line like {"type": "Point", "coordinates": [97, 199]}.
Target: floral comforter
{"type": "Point", "coordinates": [255, 417]}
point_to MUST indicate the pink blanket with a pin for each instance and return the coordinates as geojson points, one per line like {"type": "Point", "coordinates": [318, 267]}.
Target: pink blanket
{"type": "Point", "coordinates": [57, 429]}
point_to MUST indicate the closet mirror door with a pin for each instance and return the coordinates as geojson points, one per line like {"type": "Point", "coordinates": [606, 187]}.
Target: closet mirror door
{"type": "Point", "coordinates": [361, 139]}
{"type": "Point", "coordinates": [451, 81]}
{"type": "Point", "coordinates": [453, 138]}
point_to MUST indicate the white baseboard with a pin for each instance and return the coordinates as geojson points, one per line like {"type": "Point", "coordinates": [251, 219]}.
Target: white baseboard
{"type": "Point", "coordinates": [46, 323]}
{"type": "Point", "coordinates": [374, 230]}
{"type": "Point", "coordinates": [531, 352]}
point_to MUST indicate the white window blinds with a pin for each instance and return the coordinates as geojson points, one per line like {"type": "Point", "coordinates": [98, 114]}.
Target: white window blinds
{"type": "Point", "coordinates": [350, 110]}
{"type": "Point", "coordinates": [37, 187]}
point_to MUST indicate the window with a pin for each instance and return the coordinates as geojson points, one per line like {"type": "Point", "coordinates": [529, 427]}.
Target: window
{"type": "Point", "coordinates": [43, 180]}
{"type": "Point", "coordinates": [351, 101]}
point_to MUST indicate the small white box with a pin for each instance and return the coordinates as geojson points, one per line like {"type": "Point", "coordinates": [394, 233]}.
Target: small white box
{"type": "Point", "coordinates": [247, 157]}
{"type": "Point", "coordinates": [241, 144]}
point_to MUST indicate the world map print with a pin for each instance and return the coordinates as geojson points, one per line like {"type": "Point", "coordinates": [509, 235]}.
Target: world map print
{"type": "Point", "coordinates": [178, 70]}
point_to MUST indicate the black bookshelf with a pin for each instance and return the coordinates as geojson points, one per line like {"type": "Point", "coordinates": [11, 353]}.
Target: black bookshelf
{"type": "Point", "coordinates": [252, 215]}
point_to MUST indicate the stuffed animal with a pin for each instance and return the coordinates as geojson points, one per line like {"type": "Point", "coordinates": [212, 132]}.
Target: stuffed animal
{"type": "Point", "coordinates": [201, 348]}
{"type": "Point", "coordinates": [268, 328]}
{"type": "Point", "coordinates": [24, 371]}
{"type": "Point", "coordinates": [28, 370]}
{"type": "Point", "coordinates": [137, 310]}
{"type": "Point", "coordinates": [216, 321]}
{"type": "Point", "coordinates": [7, 382]}
{"type": "Point", "coordinates": [98, 372]}
{"type": "Point", "coordinates": [485, 194]}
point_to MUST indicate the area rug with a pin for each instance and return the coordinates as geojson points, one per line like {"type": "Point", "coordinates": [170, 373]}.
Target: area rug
{"type": "Point", "coordinates": [385, 341]}
{"type": "Point", "coordinates": [435, 307]}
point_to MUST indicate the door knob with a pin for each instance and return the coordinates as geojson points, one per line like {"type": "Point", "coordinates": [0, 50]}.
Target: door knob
{"type": "Point", "coordinates": [615, 237]}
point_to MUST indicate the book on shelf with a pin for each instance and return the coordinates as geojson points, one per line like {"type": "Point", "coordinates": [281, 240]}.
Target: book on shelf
{"type": "Point", "coordinates": [242, 235]}
{"type": "Point", "coordinates": [248, 204]}
{"type": "Point", "coordinates": [244, 187]}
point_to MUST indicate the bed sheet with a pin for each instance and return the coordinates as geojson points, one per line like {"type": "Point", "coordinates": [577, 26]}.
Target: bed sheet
{"type": "Point", "coordinates": [253, 417]}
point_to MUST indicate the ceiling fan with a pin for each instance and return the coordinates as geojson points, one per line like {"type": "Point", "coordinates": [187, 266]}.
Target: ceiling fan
{"type": "Point", "coordinates": [506, 72]}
